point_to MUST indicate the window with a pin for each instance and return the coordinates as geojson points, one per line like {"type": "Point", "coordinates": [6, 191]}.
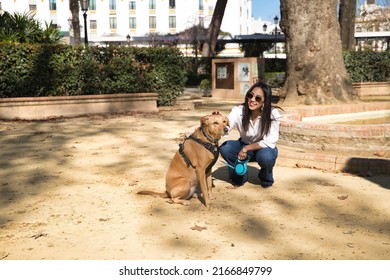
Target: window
{"type": "Point", "coordinates": [201, 5]}
{"type": "Point", "coordinates": [112, 4]}
{"type": "Point", "coordinates": [132, 5]}
{"type": "Point", "coordinates": [172, 22]}
{"type": "Point", "coordinates": [92, 5]}
{"type": "Point", "coordinates": [172, 4]}
{"type": "Point", "coordinates": [132, 23]}
{"type": "Point", "coordinates": [113, 23]}
{"type": "Point", "coordinates": [32, 5]}
{"type": "Point", "coordinates": [53, 5]}
{"type": "Point", "coordinates": [152, 22]}
{"type": "Point", "coordinates": [92, 24]}
{"type": "Point", "coordinates": [152, 4]}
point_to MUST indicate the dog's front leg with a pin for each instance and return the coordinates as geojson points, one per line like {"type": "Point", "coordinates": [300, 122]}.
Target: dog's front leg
{"type": "Point", "coordinates": [203, 185]}
{"type": "Point", "coordinates": [209, 184]}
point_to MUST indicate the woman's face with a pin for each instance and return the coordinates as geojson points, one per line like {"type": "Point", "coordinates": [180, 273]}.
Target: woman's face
{"type": "Point", "coordinates": [255, 98]}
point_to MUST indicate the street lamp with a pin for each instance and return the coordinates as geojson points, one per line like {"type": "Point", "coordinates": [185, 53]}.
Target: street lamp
{"type": "Point", "coordinates": [84, 7]}
{"type": "Point", "coordinates": [128, 37]}
{"type": "Point", "coordinates": [265, 28]}
{"type": "Point", "coordinates": [276, 21]}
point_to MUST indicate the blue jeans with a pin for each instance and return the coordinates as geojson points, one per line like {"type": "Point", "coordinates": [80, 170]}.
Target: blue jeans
{"type": "Point", "coordinates": [265, 157]}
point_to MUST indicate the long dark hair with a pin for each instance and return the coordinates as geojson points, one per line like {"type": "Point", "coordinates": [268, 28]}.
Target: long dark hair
{"type": "Point", "coordinates": [265, 112]}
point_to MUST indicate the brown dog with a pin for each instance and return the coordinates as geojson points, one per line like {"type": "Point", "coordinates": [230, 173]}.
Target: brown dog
{"type": "Point", "coordinates": [191, 165]}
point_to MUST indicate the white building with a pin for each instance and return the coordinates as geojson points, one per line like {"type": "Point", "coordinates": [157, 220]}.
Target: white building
{"type": "Point", "coordinates": [113, 20]}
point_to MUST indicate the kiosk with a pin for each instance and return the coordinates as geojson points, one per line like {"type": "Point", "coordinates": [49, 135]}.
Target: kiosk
{"type": "Point", "coordinates": [232, 77]}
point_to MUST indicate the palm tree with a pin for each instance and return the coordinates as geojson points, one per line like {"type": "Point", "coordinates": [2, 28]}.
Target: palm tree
{"type": "Point", "coordinates": [24, 28]}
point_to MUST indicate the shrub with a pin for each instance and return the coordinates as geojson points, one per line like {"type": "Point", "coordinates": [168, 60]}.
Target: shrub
{"type": "Point", "coordinates": [205, 87]}
{"type": "Point", "coordinates": [367, 66]}
{"type": "Point", "coordinates": [38, 70]}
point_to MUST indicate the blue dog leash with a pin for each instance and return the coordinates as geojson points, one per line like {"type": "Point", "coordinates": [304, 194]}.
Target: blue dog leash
{"type": "Point", "coordinates": [240, 166]}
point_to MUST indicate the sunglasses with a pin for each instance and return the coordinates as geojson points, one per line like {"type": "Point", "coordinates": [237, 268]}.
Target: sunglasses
{"type": "Point", "coordinates": [250, 95]}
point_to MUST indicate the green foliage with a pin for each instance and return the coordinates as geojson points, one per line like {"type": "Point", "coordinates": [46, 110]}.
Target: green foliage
{"type": "Point", "coordinates": [24, 28]}
{"type": "Point", "coordinates": [255, 49]}
{"type": "Point", "coordinates": [194, 79]}
{"type": "Point", "coordinates": [205, 86]}
{"type": "Point", "coordinates": [274, 79]}
{"type": "Point", "coordinates": [275, 65]}
{"type": "Point", "coordinates": [367, 66]}
{"type": "Point", "coordinates": [193, 65]}
{"type": "Point", "coordinates": [50, 70]}
{"type": "Point", "coordinates": [164, 69]}
{"type": "Point", "coordinates": [16, 70]}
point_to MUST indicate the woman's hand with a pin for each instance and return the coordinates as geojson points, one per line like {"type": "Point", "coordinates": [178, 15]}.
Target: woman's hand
{"type": "Point", "coordinates": [242, 155]}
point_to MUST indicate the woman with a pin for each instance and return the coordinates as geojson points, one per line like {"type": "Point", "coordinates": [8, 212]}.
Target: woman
{"type": "Point", "coordinates": [258, 124]}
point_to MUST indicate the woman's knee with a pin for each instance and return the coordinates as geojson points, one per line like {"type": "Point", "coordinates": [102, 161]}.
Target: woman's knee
{"type": "Point", "coordinates": [266, 157]}
{"type": "Point", "coordinates": [228, 148]}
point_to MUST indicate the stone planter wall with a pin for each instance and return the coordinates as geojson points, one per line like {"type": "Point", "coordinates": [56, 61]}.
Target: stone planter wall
{"type": "Point", "coordinates": [372, 89]}
{"type": "Point", "coordinates": [30, 108]}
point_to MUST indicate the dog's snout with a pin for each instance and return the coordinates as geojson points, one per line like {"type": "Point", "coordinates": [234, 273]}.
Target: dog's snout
{"type": "Point", "coordinates": [226, 130]}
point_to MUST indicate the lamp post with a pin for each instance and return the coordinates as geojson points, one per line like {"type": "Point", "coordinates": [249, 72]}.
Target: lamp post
{"type": "Point", "coordinates": [265, 28]}
{"type": "Point", "coordinates": [276, 21]}
{"type": "Point", "coordinates": [84, 7]}
{"type": "Point", "coordinates": [128, 37]}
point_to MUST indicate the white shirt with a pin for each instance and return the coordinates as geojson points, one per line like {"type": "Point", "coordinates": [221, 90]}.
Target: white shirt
{"type": "Point", "coordinates": [253, 134]}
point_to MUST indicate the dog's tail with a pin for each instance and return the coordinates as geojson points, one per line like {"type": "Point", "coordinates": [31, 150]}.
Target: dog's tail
{"type": "Point", "coordinates": [154, 194]}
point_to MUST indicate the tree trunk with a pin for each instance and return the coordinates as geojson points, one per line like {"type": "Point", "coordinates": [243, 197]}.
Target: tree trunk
{"type": "Point", "coordinates": [74, 9]}
{"type": "Point", "coordinates": [213, 30]}
{"type": "Point", "coordinates": [315, 68]}
{"type": "Point", "coordinates": [347, 14]}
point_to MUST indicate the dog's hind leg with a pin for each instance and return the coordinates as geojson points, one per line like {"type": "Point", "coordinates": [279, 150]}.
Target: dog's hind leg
{"type": "Point", "coordinates": [181, 192]}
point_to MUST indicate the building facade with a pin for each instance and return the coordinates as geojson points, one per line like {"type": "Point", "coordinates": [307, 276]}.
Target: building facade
{"type": "Point", "coordinates": [114, 20]}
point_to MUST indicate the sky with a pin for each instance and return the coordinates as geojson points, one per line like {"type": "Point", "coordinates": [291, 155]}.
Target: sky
{"type": "Point", "coordinates": [266, 9]}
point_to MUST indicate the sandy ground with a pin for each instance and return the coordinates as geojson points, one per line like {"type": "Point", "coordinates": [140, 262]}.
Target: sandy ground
{"type": "Point", "coordinates": [68, 191]}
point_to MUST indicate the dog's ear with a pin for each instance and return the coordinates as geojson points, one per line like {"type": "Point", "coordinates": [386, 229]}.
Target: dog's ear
{"type": "Point", "coordinates": [204, 121]}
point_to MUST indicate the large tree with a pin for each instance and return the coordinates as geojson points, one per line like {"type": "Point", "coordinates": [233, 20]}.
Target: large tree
{"type": "Point", "coordinates": [211, 41]}
{"type": "Point", "coordinates": [315, 68]}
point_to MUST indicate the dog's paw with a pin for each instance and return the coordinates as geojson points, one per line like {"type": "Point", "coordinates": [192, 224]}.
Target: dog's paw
{"type": "Point", "coordinates": [179, 201]}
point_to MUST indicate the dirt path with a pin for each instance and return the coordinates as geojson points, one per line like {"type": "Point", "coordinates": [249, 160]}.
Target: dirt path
{"type": "Point", "coordinates": [68, 191]}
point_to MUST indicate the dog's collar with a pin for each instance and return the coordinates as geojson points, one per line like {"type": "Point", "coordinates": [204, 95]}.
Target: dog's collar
{"type": "Point", "coordinates": [211, 139]}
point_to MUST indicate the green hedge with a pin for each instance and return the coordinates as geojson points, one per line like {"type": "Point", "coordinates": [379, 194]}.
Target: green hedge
{"type": "Point", "coordinates": [44, 70]}
{"type": "Point", "coordinates": [367, 66]}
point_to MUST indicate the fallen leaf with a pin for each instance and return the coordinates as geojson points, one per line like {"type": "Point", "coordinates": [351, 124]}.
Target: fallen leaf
{"type": "Point", "coordinates": [380, 153]}
{"type": "Point", "coordinates": [4, 255]}
{"type": "Point", "coordinates": [198, 228]}
{"type": "Point", "coordinates": [40, 234]}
